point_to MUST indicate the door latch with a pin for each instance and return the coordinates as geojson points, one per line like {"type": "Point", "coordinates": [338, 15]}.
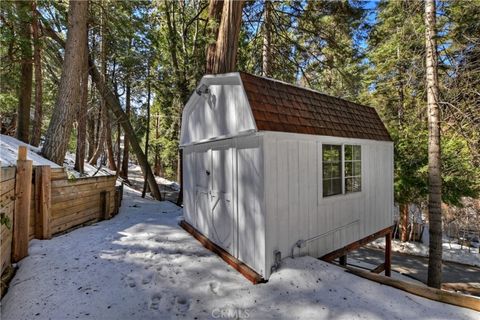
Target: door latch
{"type": "Point", "coordinates": [207, 172]}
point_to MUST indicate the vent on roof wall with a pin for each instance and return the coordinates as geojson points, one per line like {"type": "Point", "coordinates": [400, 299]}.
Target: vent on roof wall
{"type": "Point", "coordinates": [202, 90]}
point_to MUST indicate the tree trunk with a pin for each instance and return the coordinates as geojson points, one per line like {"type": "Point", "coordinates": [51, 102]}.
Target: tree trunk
{"type": "Point", "coordinates": [114, 105]}
{"type": "Point", "coordinates": [25, 89]}
{"type": "Point", "coordinates": [108, 141]}
{"type": "Point", "coordinates": [124, 171]}
{"type": "Point", "coordinates": [91, 136]}
{"type": "Point", "coordinates": [82, 114]}
{"type": "Point", "coordinates": [100, 137]}
{"type": "Point", "coordinates": [157, 169]}
{"type": "Point", "coordinates": [434, 152]}
{"type": "Point", "coordinates": [267, 41]}
{"type": "Point", "coordinates": [68, 98]}
{"type": "Point", "coordinates": [401, 89]}
{"type": "Point", "coordinates": [37, 60]}
{"type": "Point", "coordinates": [147, 135]}
{"type": "Point", "coordinates": [107, 127]}
{"type": "Point", "coordinates": [214, 15]}
{"type": "Point", "coordinates": [403, 223]}
{"type": "Point", "coordinates": [228, 34]}
{"type": "Point", "coordinates": [119, 159]}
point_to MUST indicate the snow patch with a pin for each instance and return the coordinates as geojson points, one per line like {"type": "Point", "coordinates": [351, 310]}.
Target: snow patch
{"type": "Point", "coordinates": [142, 265]}
{"type": "Point", "coordinates": [452, 251]}
{"type": "Point", "coordinates": [9, 153]}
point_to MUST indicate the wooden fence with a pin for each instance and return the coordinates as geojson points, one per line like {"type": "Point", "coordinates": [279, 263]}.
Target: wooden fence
{"type": "Point", "coordinates": [39, 202]}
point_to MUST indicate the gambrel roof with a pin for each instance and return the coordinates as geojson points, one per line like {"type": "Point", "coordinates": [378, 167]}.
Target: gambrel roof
{"type": "Point", "coordinates": [232, 104]}
{"type": "Point", "coordinates": [279, 106]}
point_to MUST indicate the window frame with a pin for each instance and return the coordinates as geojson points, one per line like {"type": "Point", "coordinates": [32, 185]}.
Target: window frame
{"type": "Point", "coordinates": [340, 164]}
{"type": "Point", "coordinates": [344, 192]}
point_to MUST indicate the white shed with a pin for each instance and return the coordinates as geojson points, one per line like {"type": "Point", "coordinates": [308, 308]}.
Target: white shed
{"type": "Point", "coordinates": [273, 170]}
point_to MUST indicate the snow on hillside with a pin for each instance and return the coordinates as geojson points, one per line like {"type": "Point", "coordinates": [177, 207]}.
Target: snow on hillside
{"type": "Point", "coordinates": [451, 251]}
{"type": "Point", "coordinates": [89, 170]}
{"type": "Point", "coordinates": [142, 265]}
{"type": "Point", "coordinates": [9, 153]}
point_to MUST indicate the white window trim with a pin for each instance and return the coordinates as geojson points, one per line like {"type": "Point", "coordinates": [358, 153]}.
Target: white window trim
{"type": "Point", "coordinates": [344, 193]}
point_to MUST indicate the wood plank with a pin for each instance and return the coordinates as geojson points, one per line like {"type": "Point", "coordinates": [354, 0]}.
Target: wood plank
{"type": "Point", "coordinates": [7, 197]}
{"type": "Point", "coordinates": [22, 153]}
{"type": "Point", "coordinates": [75, 209]}
{"type": "Point", "coordinates": [75, 195]}
{"type": "Point", "coordinates": [43, 202]}
{"type": "Point", "coordinates": [59, 205]}
{"type": "Point", "coordinates": [56, 221]}
{"type": "Point", "coordinates": [5, 233]}
{"type": "Point", "coordinates": [75, 222]}
{"type": "Point", "coordinates": [105, 204]}
{"type": "Point", "coordinates": [6, 186]}
{"type": "Point", "coordinates": [23, 188]}
{"type": "Point", "coordinates": [453, 298]}
{"type": "Point", "coordinates": [245, 270]}
{"type": "Point", "coordinates": [6, 254]}
{"type": "Point", "coordinates": [82, 181]}
{"type": "Point", "coordinates": [58, 191]}
{"type": "Point", "coordinates": [388, 254]}
{"type": "Point", "coordinates": [379, 269]}
{"type": "Point", "coordinates": [329, 257]}
{"type": "Point", "coordinates": [7, 173]}
{"type": "Point", "coordinates": [58, 174]}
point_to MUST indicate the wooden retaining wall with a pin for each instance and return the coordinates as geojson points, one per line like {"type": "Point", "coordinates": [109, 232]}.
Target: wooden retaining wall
{"type": "Point", "coordinates": [54, 205]}
{"type": "Point", "coordinates": [7, 205]}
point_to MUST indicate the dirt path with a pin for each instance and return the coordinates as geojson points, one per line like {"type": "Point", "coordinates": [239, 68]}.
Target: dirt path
{"type": "Point", "coordinates": [135, 177]}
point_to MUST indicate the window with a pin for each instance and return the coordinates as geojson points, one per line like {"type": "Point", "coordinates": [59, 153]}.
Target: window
{"type": "Point", "coordinates": [338, 177]}
{"type": "Point", "coordinates": [353, 168]}
{"type": "Point", "coordinates": [332, 170]}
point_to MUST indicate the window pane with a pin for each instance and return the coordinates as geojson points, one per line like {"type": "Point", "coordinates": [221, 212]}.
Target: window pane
{"type": "Point", "coordinates": [332, 169]}
{"type": "Point", "coordinates": [357, 184]}
{"type": "Point", "coordinates": [331, 153]}
{"type": "Point", "coordinates": [357, 168]}
{"type": "Point", "coordinates": [327, 170]}
{"type": "Point", "coordinates": [336, 170]}
{"type": "Point", "coordinates": [348, 169]}
{"type": "Point", "coordinates": [336, 186]}
{"type": "Point", "coordinates": [353, 184]}
{"type": "Point", "coordinates": [327, 190]}
{"type": "Point", "coordinates": [357, 154]}
{"type": "Point", "coordinates": [348, 153]}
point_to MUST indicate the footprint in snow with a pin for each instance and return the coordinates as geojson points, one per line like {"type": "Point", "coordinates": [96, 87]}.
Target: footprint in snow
{"type": "Point", "coordinates": [214, 287]}
{"type": "Point", "coordinates": [147, 279]}
{"type": "Point", "coordinates": [155, 302]}
{"type": "Point", "coordinates": [131, 282]}
{"type": "Point", "coordinates": [182, 304]}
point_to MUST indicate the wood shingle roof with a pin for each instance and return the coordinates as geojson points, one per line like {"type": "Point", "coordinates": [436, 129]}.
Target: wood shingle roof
{"type": "Point", "coordinates": [278, 106]}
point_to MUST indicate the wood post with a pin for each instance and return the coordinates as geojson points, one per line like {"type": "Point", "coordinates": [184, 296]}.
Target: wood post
{"type": "Point", "coordinates": [43, 202]}
{"type": "Point", "coordinates": [329, 257]}
{"type": "Point", "coordinates": [23, 188]}
{"type": "Point", "coordinates": [105, 203]}
{"type": "Point", "coordinates": [388, 254]}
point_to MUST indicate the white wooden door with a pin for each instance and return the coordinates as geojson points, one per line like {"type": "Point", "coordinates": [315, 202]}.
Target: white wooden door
{"type": "Point", "coordinates": [202, 191]}
{"type": "Point", "coordinates": [221, 201]}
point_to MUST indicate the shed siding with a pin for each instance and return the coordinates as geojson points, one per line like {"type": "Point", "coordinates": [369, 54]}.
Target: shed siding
{"type": "Point", "coordinates": [296, 209]}
{"type": "Point", "coordinates": [225, 111]}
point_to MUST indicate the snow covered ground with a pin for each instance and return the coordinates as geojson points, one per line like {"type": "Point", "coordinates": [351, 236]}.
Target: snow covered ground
{"type": "Point", "coordinates": [141, 265]}
{"type": "Point", "coordinates": [451, 252]}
